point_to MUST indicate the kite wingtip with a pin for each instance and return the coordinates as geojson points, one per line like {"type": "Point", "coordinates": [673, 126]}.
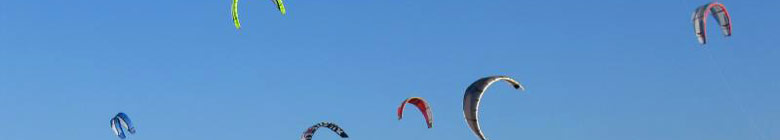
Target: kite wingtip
{"type": "Point", "coordinates": [519, 87]}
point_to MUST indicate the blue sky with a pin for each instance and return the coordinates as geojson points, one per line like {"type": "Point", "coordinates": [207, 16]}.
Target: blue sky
{"type": "Point", "coordinates": [594, 70]}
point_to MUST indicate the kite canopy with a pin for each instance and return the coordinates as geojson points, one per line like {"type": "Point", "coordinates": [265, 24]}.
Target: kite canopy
{"type": "Point", "coordinates": [721, 15]}
{"type": "Point", "coordinates": [421, 104]}
{"type": "Point", "coordinates": [335, 128]}
{"type": "Point", "coordinates": [122, 122]}
{"type": "Point", "coordinates": [234, 11]}
{"type": "Point", "coordinates": [472, 98]}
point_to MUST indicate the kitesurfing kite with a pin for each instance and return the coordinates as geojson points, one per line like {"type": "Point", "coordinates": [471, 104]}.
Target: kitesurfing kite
{"type": "Point", "coordinates": [474, 93]}
{"type": "Point", "coordinates": [234, 11]}
{"type": "Point", "coordinates": [421, 104]}
{"type": "Point", "coordinates": [122, 122]}
{"type": "Point", "coordinates": [335, 128]}
{"type": "Point", "coordinates": [721, 15]}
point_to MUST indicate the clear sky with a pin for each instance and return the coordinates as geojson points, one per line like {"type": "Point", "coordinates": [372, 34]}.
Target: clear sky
{"type": "Point", "coordinates": [594, 70]}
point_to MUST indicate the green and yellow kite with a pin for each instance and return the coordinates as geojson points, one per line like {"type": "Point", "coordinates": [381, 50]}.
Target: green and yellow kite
{"type": "Point", "coordinates": [234, 11]}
